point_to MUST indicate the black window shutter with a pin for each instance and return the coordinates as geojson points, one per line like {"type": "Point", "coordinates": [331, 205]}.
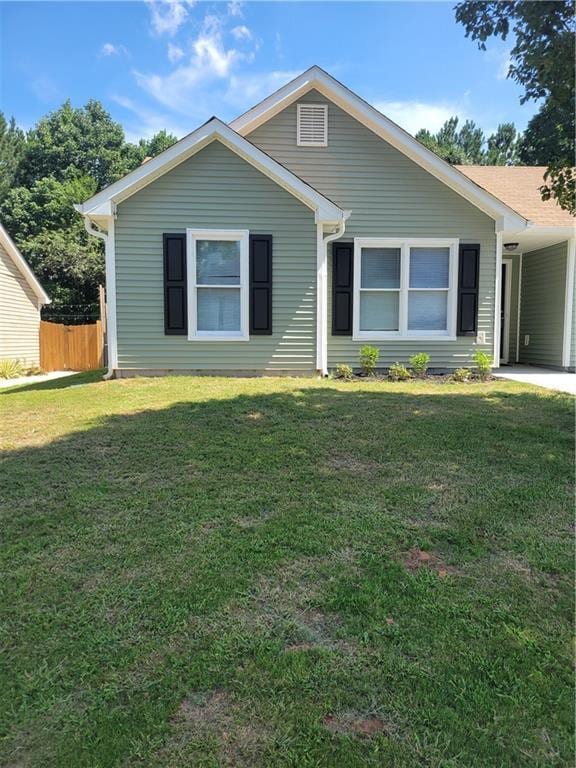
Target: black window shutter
{"type": "Point", "coordinates": [468, 275]}
{"type": "Point", "coordinates": [175, 303]}
{"type": "Point", "coordinates": [342, 287]}
{"type": "Point", "coordinates": [261, 285]}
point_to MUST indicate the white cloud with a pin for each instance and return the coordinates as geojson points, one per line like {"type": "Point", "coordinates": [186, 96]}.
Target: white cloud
{"type": "Point", "coordinates": [413, 115]}
{"type": "Point", "coordinates": [246, 90]}
{"type": "Point", "coordinates": [46, 90]}
{"type": "Point", "coordinates": [235, 8]}
{"type": "Point", "coordinates": [209, 60]}
{"type": "Point", "coordinates": [504, 67]}
{"type": "Point", "coordinates": [147, 122]}
{"type": "Point", "coordinates": [242, 33]}
{"type": "Point", "coordinates": [109, 49]}
{"type": "Point", "coordinates": [175, 53]}
{"type": "Point", "coordinates": [167, 16]}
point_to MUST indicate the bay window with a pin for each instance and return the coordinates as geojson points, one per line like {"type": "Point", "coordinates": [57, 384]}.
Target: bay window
{"type": "Point", "coordinates": [218, 285]}
{"type": "Point", "coordinates": [404, 288]}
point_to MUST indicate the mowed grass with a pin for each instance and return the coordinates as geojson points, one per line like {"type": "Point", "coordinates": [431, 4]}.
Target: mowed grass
{"type": "Point", "coordinates": [286, 572]}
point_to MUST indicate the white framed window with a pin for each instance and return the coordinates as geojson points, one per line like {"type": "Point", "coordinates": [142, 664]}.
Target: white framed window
{"type": "Point", "coordinates": [217, 284]}
{"type": "Point", "coordinates": [312, 125]}
{"type": "Point", "coordinates": [405, 288]}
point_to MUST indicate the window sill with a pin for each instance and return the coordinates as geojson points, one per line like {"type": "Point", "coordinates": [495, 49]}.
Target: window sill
{"type": "Point", "coordinates": [218, 338]}
{"type": "Point", "coordinates": [398, 337]}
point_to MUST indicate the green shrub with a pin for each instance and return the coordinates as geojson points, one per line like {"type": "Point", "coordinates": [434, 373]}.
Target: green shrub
{"type": "Point", "coordinates": [343, 371]}
{"type": "Point", "coordinates": [399, 372]}
{"type": "Point", "coordinates": [368, 359]}
{"type": "Point", "coordinates": [419, 363]}
{"type": "Point", "coordinates": [484, 364]}
{"type": "Point", "coordinates": [11, 369]}
{"type": "Point", "coordinates": [461, 374]}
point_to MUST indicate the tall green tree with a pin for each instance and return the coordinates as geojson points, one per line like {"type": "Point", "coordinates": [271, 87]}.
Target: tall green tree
{"type": "Point", "coordinates": [503, 146]}
{"type": "Point", "coordinates": [86, 139]}
{"type": "Point", "coordinates": [469, 146]}
{"type": "Point", "coordinates": [12, 147]}
{"type": "Point", "coordinates": [67, 157]}
{"type": "Point", "coordinates": [542, 62]}
{"type": "Point", "coordinates": [51, 235]}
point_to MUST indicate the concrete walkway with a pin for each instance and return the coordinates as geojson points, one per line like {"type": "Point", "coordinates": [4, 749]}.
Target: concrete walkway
{"type": "Point", "coordinates": [34, 379]}
{"type": "Point", "coordinates": [540, 377]}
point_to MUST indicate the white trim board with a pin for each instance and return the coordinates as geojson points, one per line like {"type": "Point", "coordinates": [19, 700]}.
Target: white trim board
{"type": "Point", "coordinates": [10, 247]}
{"type": "Point", "coordinates": [317, 79]}
{"type": "Point", "coordinates": [104, 203]}
{"type": "Point", "coordinates": [568, 302]}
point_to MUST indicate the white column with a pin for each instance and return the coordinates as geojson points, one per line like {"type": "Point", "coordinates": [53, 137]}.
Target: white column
{"type": "Point", "coordinates": [497, 300]}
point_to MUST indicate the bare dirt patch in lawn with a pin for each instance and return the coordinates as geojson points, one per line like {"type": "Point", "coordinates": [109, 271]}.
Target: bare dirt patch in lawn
{"type": "Point", "coordinates": [214, 717]}
{"type": "Point", "coordinates": [285, 604]}
{"type": "Point", "coordinates": [346, 462]}
{"type": "Point", "coordinates": [358, 725]}
{"type": "Point", "coordinates": [419, 558]}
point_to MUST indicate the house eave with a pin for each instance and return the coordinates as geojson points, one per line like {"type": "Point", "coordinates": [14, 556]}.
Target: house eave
{"type": "Point", "coordinates": [315, 78]}
{"type": "Point", "coordinates": [23, 267]}
{"type": "Point", "coordinates": [103, 204]}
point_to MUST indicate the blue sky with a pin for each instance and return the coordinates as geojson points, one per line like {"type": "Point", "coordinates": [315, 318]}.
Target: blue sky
{"type": "Point", "coordinates": [174, 64]}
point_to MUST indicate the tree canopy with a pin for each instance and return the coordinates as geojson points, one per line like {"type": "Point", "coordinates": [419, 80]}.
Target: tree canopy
{"type": "Point", "coordinates": [542, 62]}
{"type": "Point", "coordinates": [68, 156]}
{"type": "Point", "coordinates": [469, 146]}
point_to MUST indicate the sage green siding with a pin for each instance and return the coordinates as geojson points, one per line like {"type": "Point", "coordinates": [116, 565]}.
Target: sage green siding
{"type": "Point", "coordinates": [514, 280]}
{"type": "Point", "coordinates": [390, 196]}
{"type": "Point", "coordinates": [542, 305]}
{"type": "Point", "coordinates": [215, 189]}
{"type": "Point", "coordinates": [573, 334]}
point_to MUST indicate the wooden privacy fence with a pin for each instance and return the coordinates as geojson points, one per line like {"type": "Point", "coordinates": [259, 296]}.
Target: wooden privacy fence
{"type": "Point", "coordinates": [71, 347]}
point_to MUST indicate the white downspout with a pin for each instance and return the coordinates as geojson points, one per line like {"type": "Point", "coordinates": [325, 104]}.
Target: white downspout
{"type": "Point", "coordinates": [108, 238]}
{"type": "Point", "coordinates": [322, 293]}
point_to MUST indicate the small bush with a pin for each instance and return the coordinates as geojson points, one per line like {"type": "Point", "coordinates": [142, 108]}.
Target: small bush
{"type": "Point", "coordinates": [399, 372]}
{"type": "Point", "coordinates": [33, 370]}
{"type": "Point", "coordinates": [484, 364]}
{"type": "Point", "coordinates": [419, 363]}
{"type": "Point", "coordinates": [11, 369]}
{"type": "Point", "coordinates": [343, 371]}
{"type": "Point", "coordinates": [368, 359]}
{"type": "Point", "coordinates": [461, 374]}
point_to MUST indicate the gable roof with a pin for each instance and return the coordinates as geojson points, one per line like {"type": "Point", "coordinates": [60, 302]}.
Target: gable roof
{"type": "Point", "coordinates": [103, 203]}
{"type": "Point", "coordinates": [7, 244]}
{"type": "Point", "coordinates": [518, 186]}
{"type": "Point", "coordinates": [317, 79]}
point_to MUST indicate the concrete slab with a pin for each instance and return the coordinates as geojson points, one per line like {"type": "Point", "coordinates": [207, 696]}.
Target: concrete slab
{"type": "Point", "coordinates": [34, 379]}
{"type": "Point", "coordinates": [548, 378]}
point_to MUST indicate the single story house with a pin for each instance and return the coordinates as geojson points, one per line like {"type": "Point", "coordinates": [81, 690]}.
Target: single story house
{"type": "Point", "coordinates": [311, 225]}
{"type": "Point", "coordinates": [21, 299]}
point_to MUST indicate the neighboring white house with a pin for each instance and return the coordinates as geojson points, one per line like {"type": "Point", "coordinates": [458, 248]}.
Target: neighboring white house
{"type": "Point", "coordinates": [21, 299]}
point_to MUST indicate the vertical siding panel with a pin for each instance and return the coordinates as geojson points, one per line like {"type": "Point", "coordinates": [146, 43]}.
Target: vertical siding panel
{"type": "Point", "coordinates": [390, 196]}
{"type": "Point", "coordinates": [19, 315]}
{"type": "Point", "coordinates": [542, 310]}
{"type": "Point", "coordinates": [215, 189]}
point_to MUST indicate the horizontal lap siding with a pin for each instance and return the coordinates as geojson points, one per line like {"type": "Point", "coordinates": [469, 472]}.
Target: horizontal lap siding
{"type": "Point", "coordinates": [515, 278]}
{"type": "Point", "coordinates": [215, 189]}
{"type": "Point", "coordinates": [542, 310]}
{"type": "Point", "coordinates": [390, 196]}
{"type": "Point", "coordinates": [19, 315]}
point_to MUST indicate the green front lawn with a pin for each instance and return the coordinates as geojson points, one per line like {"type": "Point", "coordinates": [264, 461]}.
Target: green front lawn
{"type": "Point", "coordinates": [283, 572]}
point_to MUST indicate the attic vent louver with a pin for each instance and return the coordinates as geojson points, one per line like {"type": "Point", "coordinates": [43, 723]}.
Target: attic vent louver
{"type": "Point", "coordinates": [312, 130]}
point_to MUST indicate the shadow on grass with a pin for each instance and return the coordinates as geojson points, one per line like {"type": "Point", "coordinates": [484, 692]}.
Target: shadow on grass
{"type": "Point", "coordinates": [125, 538]}
{"type": "Point", "coordinates": [87, 377]}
